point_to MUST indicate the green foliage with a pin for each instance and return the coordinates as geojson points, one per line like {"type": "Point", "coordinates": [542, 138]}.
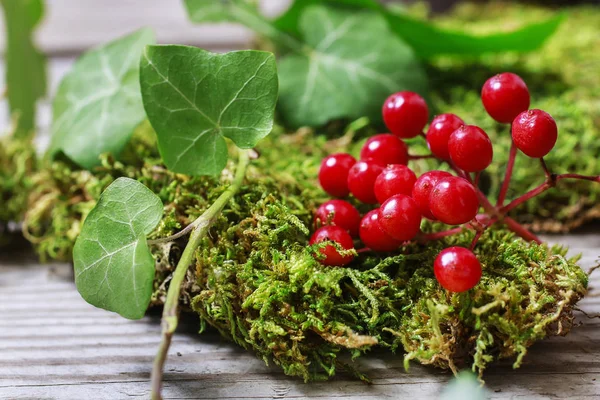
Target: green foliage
{"type": "Point", "coordinates": [258, 284]}
{"type": "Point", "coordinates": [429, 41]}
{"type": "Point", "coordinates": [114, 268]}
{"type": "Point", "coordinates": [333, 70]}
{"type": "Point", "coordinates": [464, 387]}
{"type": "Point", "coordinates": [25, 64]}
{"type": "Point", "coordinates": [98, 103]}
{"type": "Point", "coordinates": [201, 11]}
{"type": "Point", "coordinates": [195, 99]}
{"type": "Point", "coordinates": [344, 70]}
{"type": "Point", "coordinates": [426, 39]}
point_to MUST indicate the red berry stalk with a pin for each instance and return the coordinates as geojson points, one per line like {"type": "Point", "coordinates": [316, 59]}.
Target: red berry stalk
{"type": "Point", "coordinates": [382, 176]}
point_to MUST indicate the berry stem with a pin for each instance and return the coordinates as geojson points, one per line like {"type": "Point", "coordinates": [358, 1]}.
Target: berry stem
{"type": "Point", "coordinates": [551, 181]}
{"type": "Point", "coordinates": [420, 157]}
{"type": "Point", "coordinates": [476, 180]}
{"type": "Point", "coordinates": [545, 168]}
{"type": "Point", "coordinates": [439, 235]}
{"type": "Point", "coordinates": [509, 170]}
{"type": "Point", "coordinates": [521, 230]}
{"type": "Point", "coordinates": [476, 239]}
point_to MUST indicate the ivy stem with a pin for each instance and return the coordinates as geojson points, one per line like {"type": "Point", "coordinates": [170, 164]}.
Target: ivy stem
{"type": "Point", "coordinates": [508, 175]}
{"type": "Point", "coordinates": [200, 229]}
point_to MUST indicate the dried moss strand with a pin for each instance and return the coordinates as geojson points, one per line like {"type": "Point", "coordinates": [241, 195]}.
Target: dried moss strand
{"type": "Point", "coordinates": [201, 226]}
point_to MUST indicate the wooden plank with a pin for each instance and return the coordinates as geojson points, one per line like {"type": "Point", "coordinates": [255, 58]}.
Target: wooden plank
{"type": "Point", "coordinates": [53, 345]}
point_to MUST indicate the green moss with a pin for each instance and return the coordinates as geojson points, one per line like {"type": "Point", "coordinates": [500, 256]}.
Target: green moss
{"type": "Point", "coordinates": [260, 286]}
{"type": "Point", "coordinates": [17, 165]}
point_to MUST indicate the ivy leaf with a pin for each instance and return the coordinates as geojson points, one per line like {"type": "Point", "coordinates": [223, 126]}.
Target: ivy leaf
{"type": "Point", "coordinates": [195, 99]}
{"type": "Point", "coordinates": [464, 386]}
{"type": "Point", "coordinates": [428, 40]}
{"type": "Point", "coordinates": [98, 104]}
{"type": "Point", "coordinates": [290, 20]}
{"type": "Point", "coordinates": [211, 10]}
{"type": "Point", "coordinates": [335, 70]}
{"type": "Point", "coordinates": [346, 73]}
{"type": "Point", "coordinates": [114, 268]}
{"type": "Point", "coordinates": [25, 64]}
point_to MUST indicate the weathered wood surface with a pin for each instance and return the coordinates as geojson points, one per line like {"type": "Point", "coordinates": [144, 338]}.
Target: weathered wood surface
{"type": "Point", "coordinates": [55, 346]}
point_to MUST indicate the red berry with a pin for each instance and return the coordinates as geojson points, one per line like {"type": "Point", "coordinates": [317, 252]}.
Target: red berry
{"type": "Point", "coordinates": [439, 132]}
{"type": "Point", "coordinates": [405, 114]}
{"type": "Point", "coordinates": [331, 255]}
{"type": "Point", "coordinates": [385, 149]}
{"type": "Point", "coordinates": [373, 236]}
{"type": "Point", "coordinates": [457, 269]}
{"type": "Point", "coordinates": [505, 96]}
{"type": "Point", "coordinates": [400, 217]}
{"type": "Point", "coordinates": [333, 174]}
{"type": "Point", "coordinates": [361, 180]}
{"type": "Point", "coordinates": [470, 148]}
{"type": "Point", "coordinates": [454, 201]}
{"type": "Point", "coordinates": [342, 214]}
{"type": "Point", "coordinates": [534, 133]}
{"type": "Point", "coordinates": [423, 187]}
{"type": "Point", "coordinates": [395, 179]}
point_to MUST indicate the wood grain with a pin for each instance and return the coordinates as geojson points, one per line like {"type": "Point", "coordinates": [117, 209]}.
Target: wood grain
{"type": "Point", "coordinates": [53, 345]}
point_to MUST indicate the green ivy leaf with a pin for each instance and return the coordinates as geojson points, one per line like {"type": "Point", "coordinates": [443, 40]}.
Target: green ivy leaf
{"type": "Point", "coordinates": [114, 268]}
{"type": "Point", "coordinates": [25, 64]}
{"type": "Point", "coordinates": [211, 10]}
{"type": "Point", "coordinates": [98, 104]}
{"type": "Point", "coordinates": [335, 70]}
{"type": "Point", "coordinates": [464, 386]}
{"type": "Point", "coordinates": [195, 99]}
{"type": "Point", "coordinates": [345, 73]}
{"type": "Point", "coordinates": [426, 39]}
{"type": "Point", "coordinates": [290, 20]}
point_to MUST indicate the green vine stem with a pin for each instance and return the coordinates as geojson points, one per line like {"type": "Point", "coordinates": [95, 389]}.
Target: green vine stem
{"type": "Point", "coordinates": [201, 227]}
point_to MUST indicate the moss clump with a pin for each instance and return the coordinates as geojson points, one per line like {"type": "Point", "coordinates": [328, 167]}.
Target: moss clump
{"type": "Point", "coordinates": [272, 297]}
{"type": "Point", "coordinates": [18, 162]}
{"type": "Point", "coordinates": [564, 81]}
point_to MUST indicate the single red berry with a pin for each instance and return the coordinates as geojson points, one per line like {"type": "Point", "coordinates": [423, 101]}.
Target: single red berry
{"type": "Point", "coordinates": [333, 174]}
{"type": "Point", "coordinates": [423, 187]}
{"type": "Point", "coordinates": [505, 96]}
{"type": "Point", "coordinates": [439, 132]}
{"type": "Point", "coordinates": [405, 114]}
{"type": "Point", "coordinates": [373, 236]}
{"type": "Point", "coordinates": [395, 179]}
{"type": "Point", "coordinates": [385, 149]}
{"type": "Point", "coordinates": [470, 148]}
{"type": "Point", "coordinates": [534, 133]}
{"type": "Point", "coordinates": [361, 180]}
{"type": "Point", "coordinates": [454, 201]}
{"type": "Point", "coordinates": [400, 217]}
{"type": "Point", "coordinates": [339, 213]}
{"type": "Point", "coordinates": [457, 269]}
{"type": "Point", "coordinates": [332, 257]}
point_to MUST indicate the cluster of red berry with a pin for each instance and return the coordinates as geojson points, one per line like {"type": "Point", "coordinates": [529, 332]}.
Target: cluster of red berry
{"type": "Point", "coordinates": [382, 176]}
